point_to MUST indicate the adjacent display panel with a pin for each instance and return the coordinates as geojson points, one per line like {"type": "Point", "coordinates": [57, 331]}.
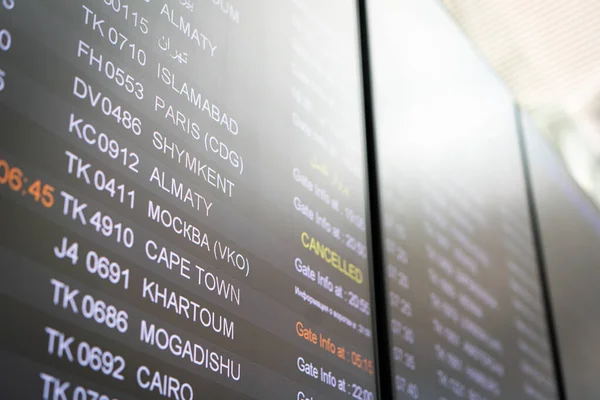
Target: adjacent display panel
{"type": "Point", "coordinates": [182, 201]}
{"type": "Point", "coordinates": [570, 232]}
{"type": "Point", "coordinates": [466, 314]}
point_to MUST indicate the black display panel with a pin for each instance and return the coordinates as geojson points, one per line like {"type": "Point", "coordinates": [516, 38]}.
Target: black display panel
{"type": "Point", "coordinates": [182, 201]}
{"type": "Point", "coordinates": [466, 316]}
{"type": "Point", "coordinates": [569, 226]}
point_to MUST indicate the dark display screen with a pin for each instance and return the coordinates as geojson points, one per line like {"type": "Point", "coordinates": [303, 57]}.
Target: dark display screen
{"type": "Point", "coordinates": [182, 201]}
{"type": "Point", "coordinates": [467, 319]}
{"type": "Point", "coordinates": [570, 232]}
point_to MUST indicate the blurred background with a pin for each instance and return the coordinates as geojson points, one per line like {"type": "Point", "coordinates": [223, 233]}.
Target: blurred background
{"type": "Point", "coordinates": [547, 54]}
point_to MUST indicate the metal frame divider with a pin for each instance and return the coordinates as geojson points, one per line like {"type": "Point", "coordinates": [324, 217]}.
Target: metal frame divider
{"type": "Point", "coordinates": [540, 258]}
{"type": "Point", "coordinates": [383, 367]}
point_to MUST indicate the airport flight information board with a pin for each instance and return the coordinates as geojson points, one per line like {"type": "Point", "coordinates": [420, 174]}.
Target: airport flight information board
{"type": "Point", "coordinates": [466, 316]}
{"type": "Point", "coordinates": [182, 201]}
